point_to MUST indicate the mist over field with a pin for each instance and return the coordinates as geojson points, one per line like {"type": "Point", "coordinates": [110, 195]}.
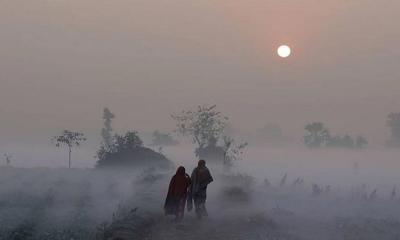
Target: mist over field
{"type": "Point", "coordinates": [61, 203]}
{"type": "Point", "coordinates": [294, 105]}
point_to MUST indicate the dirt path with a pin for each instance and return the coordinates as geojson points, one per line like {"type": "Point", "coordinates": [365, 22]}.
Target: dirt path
{"type": "Point", "coordinates": [256, 227]}
{"type": "Point", "coordinates": [238, 228]}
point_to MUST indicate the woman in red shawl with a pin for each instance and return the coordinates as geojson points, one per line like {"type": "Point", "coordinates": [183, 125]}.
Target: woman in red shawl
{"type": "Point", "coordinates": [177, 193]}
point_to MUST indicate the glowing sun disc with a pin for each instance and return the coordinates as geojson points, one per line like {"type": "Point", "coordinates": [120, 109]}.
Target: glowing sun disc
{"type": "Point", "coordinates": [283, 51]}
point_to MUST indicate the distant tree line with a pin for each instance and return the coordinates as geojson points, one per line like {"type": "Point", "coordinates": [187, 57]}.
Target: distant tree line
{"type": "Point", "coordinates": [206, 126]}
{"type": "Point", "coordinates": [393, 122]}
{"type": "Point", "coordinates": [317, 135]}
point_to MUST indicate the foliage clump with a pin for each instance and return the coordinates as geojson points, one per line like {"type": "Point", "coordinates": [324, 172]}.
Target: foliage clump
{"type": "Point", "coordinates": [317, 135]}
{"type": "Point", "coordinates": [70, 140]}
{"type": "Point", "coordinates": [206, 126]}
{"type": "Point", "coordinates": [127, 151]}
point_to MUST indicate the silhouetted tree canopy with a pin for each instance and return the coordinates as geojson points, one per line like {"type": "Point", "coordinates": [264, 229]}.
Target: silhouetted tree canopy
{"type": "Point", "coordinates": [317, 135]}
{"type": "Point", "coordinates": [69, 139]}
{"type": "Point", "coordinates": [393, 122]}
{"type": "Point", "coordinates": [206, 127]}
{"type": "Point", "coordinates": [128, 151]}
{"type": "Point", "coordinates": [340, 141]}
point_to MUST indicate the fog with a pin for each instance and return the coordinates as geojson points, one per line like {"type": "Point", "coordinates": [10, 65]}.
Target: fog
{"type": "Point", "coordinates": [63, 61]}
{"type": "Point", "coordinates": [79, 202]}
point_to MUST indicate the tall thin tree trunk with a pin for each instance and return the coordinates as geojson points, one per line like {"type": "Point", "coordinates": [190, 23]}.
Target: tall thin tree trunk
{"type": "Point", "coordinates": [69, 158]}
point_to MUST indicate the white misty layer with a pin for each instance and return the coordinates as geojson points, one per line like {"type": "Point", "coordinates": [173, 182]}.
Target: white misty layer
{"type": "Point", "coordinates": [334, 185]}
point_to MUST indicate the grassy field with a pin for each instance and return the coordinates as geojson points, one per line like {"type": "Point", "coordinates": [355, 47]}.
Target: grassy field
{"type": "Point", "coordinates": [59, 203]}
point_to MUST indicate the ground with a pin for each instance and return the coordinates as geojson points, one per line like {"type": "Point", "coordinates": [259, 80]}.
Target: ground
{"type": "Point", "coordinates": [164, 228]}
{"type": "Point", "coordinates": [87, 204]}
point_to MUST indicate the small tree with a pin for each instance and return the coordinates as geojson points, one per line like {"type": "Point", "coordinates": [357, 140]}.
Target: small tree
{"type": "Point", "coordinates": [316, 135]}
{"type": "Point", "coordinates": [128, 151]}
{"type": "Point", "coordinates": [69, 139]}
{"type": "Point", "coordinates": [7, 158]}
{"type": "Point", "coordinates": [393, 122]}
{"type": "Point", "coordinates": [130, 140]}
{"type": "Point", "coordinates": [106, 132]}
{"type": "Point", "coordinates": [233, 151]}
{"type": "Point", "coordinates": [205, 125]}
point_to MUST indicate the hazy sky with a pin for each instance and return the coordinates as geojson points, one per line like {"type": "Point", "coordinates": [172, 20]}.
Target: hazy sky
{"type": "Point", "coordinates": [62, 61]}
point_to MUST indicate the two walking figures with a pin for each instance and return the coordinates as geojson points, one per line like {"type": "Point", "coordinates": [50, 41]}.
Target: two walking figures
{"type": "Point", "coordinates": [188, 189]}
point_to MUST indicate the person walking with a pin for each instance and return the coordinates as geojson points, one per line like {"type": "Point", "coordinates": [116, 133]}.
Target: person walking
{"type": "Point", "coordinates": [177, 194]}
{"type": "Point", "coordinates": [201, 177]}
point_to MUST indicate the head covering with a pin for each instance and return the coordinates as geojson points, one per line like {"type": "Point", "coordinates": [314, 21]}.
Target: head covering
{"type": "Point", "coordinates": [177, 192]}
{"type": "Point", "coordinates": [180, 171]}
{"type": "Point", "coordinates": [179, 183]}
{"type": "Point", "coordinates": [201, 163]}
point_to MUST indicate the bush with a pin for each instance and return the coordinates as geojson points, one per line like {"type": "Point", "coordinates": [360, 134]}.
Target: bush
{"type": "Point", "coordinates": [128, 151]}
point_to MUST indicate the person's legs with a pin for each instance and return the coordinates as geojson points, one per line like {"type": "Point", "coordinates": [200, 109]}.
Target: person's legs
{"type": "Point", "coordinates": [200, 207]}
{"type": "Point", "coordinates": [204, 209]}
{"type": "Point", "coordinates": [197, 206]}
{"type": "Point", "coordinates": [180, 211]}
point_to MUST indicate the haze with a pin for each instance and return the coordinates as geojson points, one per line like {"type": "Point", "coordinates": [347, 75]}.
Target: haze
{"type": "Point", "coordinates": [62, 61]}
{"type": "Point", "coordinates": [310, 150]}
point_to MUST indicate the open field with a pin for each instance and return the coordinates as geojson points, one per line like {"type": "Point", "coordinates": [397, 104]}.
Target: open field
{"type": "Point", "coordinates": [324, 199]}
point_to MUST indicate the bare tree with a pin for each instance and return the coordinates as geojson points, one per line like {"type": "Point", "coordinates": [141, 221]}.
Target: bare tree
{"type": "Point", "coordinates": [69, 139]}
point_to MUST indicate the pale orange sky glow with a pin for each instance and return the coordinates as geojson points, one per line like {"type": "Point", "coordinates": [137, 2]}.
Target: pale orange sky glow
{"type": "Point", "coordinates": [62, 61]}
{"type": "Point", "coordinates": [270, 23]}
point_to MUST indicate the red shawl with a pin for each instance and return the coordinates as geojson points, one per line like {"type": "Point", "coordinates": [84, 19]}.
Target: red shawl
{"type": "Point", "coordinates": [177, 190]}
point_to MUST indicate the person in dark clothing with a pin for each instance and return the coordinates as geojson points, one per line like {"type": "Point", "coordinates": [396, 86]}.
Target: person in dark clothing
{"type": "Point", "coordinates": [201, 177]}
{"type": "Point", "coordinates": [177, 194]}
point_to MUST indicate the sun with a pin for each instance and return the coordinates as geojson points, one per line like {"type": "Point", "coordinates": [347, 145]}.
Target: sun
{"type": "Point", "coordinates": [283, 51]}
